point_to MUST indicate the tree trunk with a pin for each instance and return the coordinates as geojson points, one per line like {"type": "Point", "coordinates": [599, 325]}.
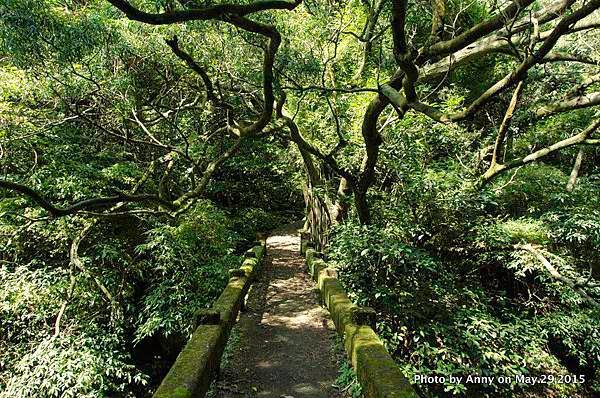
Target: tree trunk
{"type": "Point", "coordinates": [342, 204]}
{"type": "Point", "coordinates": [362, 207]}
{"type": "Point", "coordinates": [575, 171]}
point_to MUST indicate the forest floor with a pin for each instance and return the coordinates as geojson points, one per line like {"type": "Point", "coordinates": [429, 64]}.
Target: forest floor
{"type": "Point", "coordinates": [283, 344]}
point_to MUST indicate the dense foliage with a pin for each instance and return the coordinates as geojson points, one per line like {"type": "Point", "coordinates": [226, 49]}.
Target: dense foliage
{"type": "Point", "coordinates": [446, 151]}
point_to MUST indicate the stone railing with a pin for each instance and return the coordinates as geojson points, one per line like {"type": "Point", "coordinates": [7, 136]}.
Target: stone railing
{"type": "Point", "coordinates": [198, 363]}
{"type": "Point", "coordinates": [375, 369]}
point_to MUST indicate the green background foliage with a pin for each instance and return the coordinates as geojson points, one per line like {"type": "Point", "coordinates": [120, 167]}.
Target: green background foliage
{"type": "Point", "coordinates": [93, 104]}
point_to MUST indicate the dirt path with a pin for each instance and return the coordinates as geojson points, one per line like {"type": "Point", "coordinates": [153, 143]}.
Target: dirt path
{"type": "Point", "coordinates": [282, 345]}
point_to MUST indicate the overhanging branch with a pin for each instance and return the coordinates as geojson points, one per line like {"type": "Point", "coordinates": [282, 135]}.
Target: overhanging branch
{"type": "Point", "coordinates": [56, 211]}
{"type": "Point", "coordinates": [202, 14]}
{"type": "Point", "coordinates": [577, 139]}
{"type": "Point", "coordinates": [583, 101]}
{"type": "Point", "coordinates": [193, 65]}
{"type": "Point", "coordinates": [476, 32]}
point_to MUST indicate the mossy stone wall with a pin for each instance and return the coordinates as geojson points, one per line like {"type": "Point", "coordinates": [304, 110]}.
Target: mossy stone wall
{"type": "Point", "coordinates": [199, 361]}
{"type": "Point", "coordinates": [376, 371]}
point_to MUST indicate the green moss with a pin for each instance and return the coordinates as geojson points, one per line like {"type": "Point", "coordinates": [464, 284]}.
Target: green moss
{"type": "Point", "coordinates": [311, 254]}
{"type": "Point", "coordinates": [207, 316]}
{"type": "Point", "coordinates": [195, 367]}
{"type": "Point", "coordinates": [182, 392]}
{"type": "Point", "coordinates": [256, 252]}
{"type": "Point", "coordinates": [303, 247]}
{"type": "Point", "coordinates": [315, 266]}
{"type": "Point", "coordinates": [378, 374]}
{"type": "Point", "coordinates": [260, 251]}
{"type": "Point", "coordinates": [237, 273]}
{"type": "Point", "coordinates": [230, 301]}
{"type": "Point", "coordinates": [337, 302]}
{"type": "Point", "coordinates": [363, 316]}
{"type": "Point", "coordinates": [248, 266]}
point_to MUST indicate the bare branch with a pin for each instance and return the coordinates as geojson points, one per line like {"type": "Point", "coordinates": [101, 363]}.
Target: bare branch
{"type": "Point", "coordinates": [506, 123]}
{"type": "Point", "coordinates": [581, 138]}
{"type": "Point", "coordinates": [559, 30]}
{"type": "Point", "coordinates": [368, 36]}
{"type": "Point", "coordinates": [218, 11]}
{"type": "Point", "coordinates": [186, 200]}
{"type": "Point", "coordinates": [584, 101]}
{"type": "Point", "coordinates": [503, 43]}
{"type": "Point", "coordinates": [580, 88]}
{"type": "Point", "coordinates": [557, 275]}
{"type": "Point", "coordinates": [146, 131]}
{"type": "Point", "coordinates": [476, 32]}
{"type": "Point", "coordinates": [575, 171]}
{"type": "Point", "coordinates": [555, 56]}
{"type": "Point", "coordinates": [305, 146]}
{"type": "Point", "coordinates": [193, 65]}
{"type": "Point", "coordinates": [81, 205]}
{"type": "Point", "coordinates": [347, 90]}
{"type": "Point", "coordinates": [514, 76]}
{"type": "Point", "coordinates": [64, 304]}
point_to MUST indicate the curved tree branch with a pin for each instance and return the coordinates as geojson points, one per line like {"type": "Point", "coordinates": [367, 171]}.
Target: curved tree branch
{"type": "Point", "coordinates": [188, 198]}
{"type": "Point", "coordinates": [56, 211]}
{"type": "Point", "coordinates": [476, 32]}
{"type": "Point", "coordinates": [581, 87]}
{"type": "Point", "coordinates": [557, 275]}
{"type": "Point", "coordinates": [234, 14]}
{"type": "Point", "coordinates": [575, 171]}
{"type": "Point", "coordinates": [562, 27]}
{"type": "Point", "coordinates": [202, 14]}
{"type": "Point", "coordinates": [503, 43]}
{"type": "Point", "coordinates": [509, 80]}
{"type": "Point", "coordinates": [307, 147]}
{"type": "Point", "coordinates": [583, 101]}
{"type": "Point", "coordinates": [503, 130]}
{"type": "Point", "coordinates": [193, 65]}
{"type": "Point", "coordinates": [577, 139]}
{"type": "Point", "coordinates": [274, 40]}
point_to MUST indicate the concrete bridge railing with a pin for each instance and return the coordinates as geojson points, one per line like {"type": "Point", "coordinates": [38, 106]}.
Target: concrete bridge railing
{"type": "Point", "coordinates": [376, 371]}
{"type": "Point", "coordinates": [198, 363]}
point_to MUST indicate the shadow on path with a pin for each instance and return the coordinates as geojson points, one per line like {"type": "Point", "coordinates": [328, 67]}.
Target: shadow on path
{"type": "Point", "coordinates": [284, 345]}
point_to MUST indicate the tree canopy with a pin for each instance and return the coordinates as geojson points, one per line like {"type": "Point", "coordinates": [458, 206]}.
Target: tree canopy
{"type": "Point", "coordinates": [444, 153]}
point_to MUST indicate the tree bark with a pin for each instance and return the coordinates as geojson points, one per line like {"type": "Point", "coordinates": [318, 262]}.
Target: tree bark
{"type": "Point", "coordinates": [362, 207]}
{"type": "Point", "coordinates": [342, 204]}
{"type": "Point", "coordinates": [575, 171]}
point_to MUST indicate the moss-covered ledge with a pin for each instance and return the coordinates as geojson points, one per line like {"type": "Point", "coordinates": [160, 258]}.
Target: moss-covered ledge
{"type": "Point", "coordinates": [376, 371]}
{"type": "Point", "coordinates": [199, 361]}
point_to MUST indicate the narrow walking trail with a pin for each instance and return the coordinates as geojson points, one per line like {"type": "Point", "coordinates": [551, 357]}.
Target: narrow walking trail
{"type": "Point", "coordinates": [283, 343]}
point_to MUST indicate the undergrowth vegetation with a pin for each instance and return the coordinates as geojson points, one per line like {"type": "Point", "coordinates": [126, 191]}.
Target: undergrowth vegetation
{"type": "Point", "coordinates": [445, 155]}
{"type": "Point", "coordinates": [457, 294]}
